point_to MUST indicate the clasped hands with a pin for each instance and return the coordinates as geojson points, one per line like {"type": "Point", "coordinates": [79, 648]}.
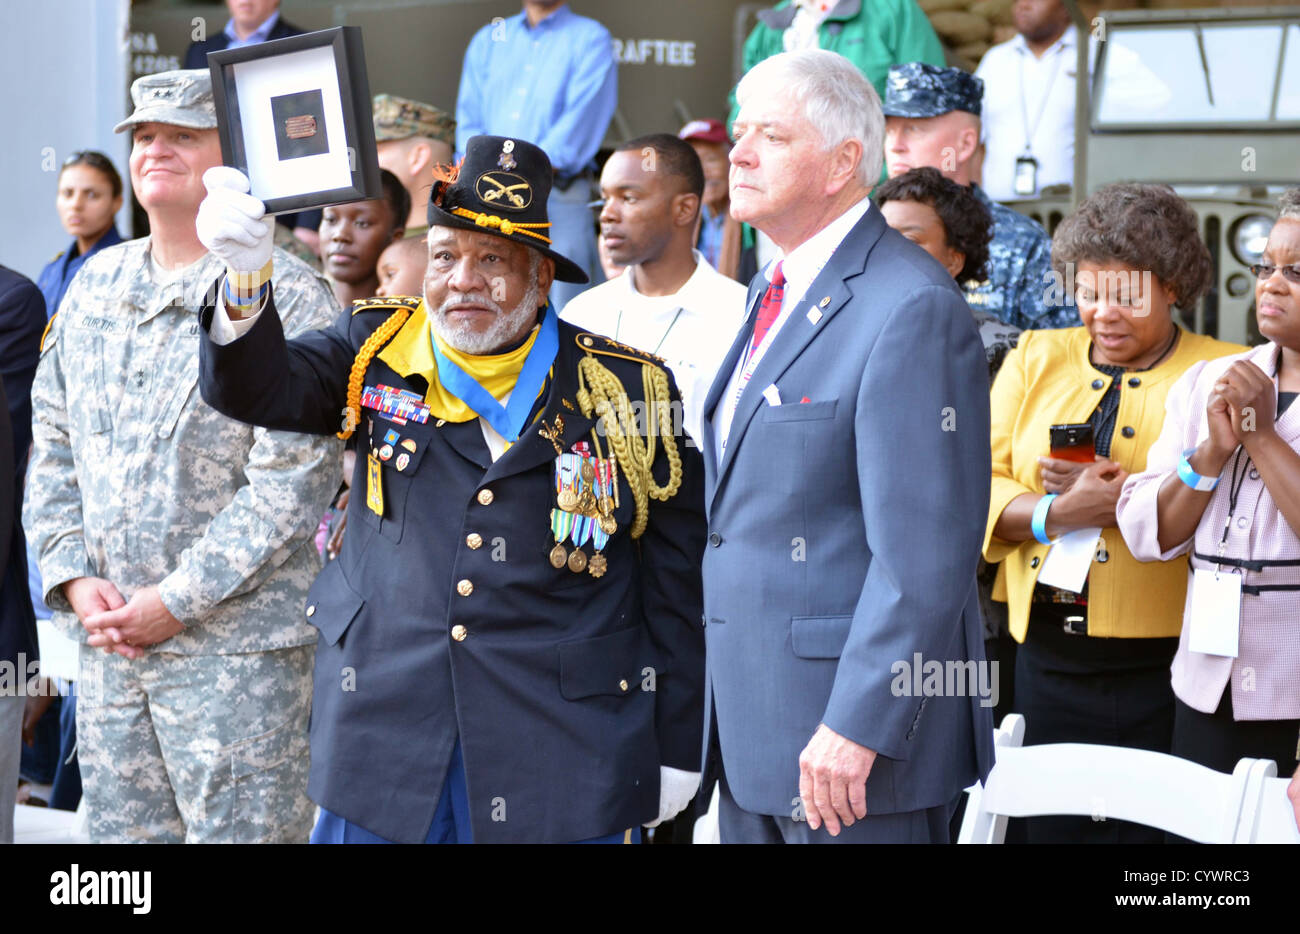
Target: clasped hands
{"type": "Point", "coordinates": [115, 624]}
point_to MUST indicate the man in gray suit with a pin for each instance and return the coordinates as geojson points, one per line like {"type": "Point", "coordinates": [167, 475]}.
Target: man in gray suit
{"type": "Point", "coordinates": [846, 447]}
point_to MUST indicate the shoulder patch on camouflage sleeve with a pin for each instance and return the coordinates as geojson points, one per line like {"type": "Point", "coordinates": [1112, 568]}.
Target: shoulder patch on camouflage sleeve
{"type": "Point", "coordinates": [391, 303]}
{"type": "Point", "coordinates": [598, 343]}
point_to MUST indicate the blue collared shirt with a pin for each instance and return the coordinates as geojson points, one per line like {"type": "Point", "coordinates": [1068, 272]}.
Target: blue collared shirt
{"type": "Point", "coordinates": [257, 35]}
{"type": "Point", "coordinates": [554, 84]}
{"type": "Point", "coordinates": [58, 272]}
{"type": "Point", "coordinates": [710, 242]}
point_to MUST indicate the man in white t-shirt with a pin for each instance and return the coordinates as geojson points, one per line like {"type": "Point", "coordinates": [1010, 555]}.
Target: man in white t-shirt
{"type": "Point", "coordinates": [669, 302]}
{"type": "Point", "coordinates": [1029, 92]}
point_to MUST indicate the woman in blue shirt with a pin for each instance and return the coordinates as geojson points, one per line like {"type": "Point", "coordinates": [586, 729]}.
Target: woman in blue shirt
{"type": "Point", "coordinates": [90, 193]}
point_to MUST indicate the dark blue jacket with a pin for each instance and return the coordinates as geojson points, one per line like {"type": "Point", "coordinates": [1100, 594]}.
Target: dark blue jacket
{"type": "Point", "coordinates": [567, 692]}
{"type": "Point", "coordinates": [22, 321]}
{"type": "Point", "coordinates": [196, 56]}
{"type": "Point", "coordinates": [58, 272]}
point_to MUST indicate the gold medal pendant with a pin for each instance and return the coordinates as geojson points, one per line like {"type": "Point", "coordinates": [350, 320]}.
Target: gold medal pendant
{"type": "Point", "coordinates": [608, 525]}
{"type": "Point", "coordinates": [597, 566]}
{"type": "Point", "coordinates": [606, 505]}
{"type": "Point", "coordinates": [567, 500]}
{"type": "Point", "coordinates": [559, 556]}
{"type": "Point", "coordinates": [588, 471]}
{"type": "Point", "coordinates": [587, 503]}
{"type": "Point", "coordinates": [577, 561]}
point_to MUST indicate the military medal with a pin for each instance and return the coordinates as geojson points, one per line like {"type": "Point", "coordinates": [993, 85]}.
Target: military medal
{"type": "Point", "coordinates": [588, 470]}
{"type": "Point", "coordinates": [583, 526]}
{"type": "Point", "coordinates": [402, 460]}
{"type": "Point", "coordinates": [567, 482]}
{"type": "Point", "coordinates": [561, 524]}
{"type": "Point", "coordinates": [408, 445]}
{"type": "Point", "coordinates": [374, 485]}
{"type": "Point", "coordinates": [386, 452]}
{"type": "Point", "coordinates": [606, 501]}
{"type": "Point", "coordinates": [597, 566]}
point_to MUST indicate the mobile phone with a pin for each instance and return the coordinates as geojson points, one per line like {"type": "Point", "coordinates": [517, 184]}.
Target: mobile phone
{"type": "Point", "coordinates": [1073, 443]}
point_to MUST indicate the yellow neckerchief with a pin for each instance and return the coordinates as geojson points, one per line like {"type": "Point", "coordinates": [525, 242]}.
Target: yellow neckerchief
{"type": "Point", "coordinates": [409, 352]}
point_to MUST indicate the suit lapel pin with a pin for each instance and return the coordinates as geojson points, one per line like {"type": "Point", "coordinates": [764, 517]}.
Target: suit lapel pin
{"type": "Point", "coordinates": [814, 315]}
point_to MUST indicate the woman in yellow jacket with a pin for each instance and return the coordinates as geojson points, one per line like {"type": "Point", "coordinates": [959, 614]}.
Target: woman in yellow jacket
{"type": "Point", "coordinates": [1093, 666]}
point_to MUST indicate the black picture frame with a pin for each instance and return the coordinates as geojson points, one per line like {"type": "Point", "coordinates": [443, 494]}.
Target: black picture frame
{"type": "Point", "coordinates": [353, 89]}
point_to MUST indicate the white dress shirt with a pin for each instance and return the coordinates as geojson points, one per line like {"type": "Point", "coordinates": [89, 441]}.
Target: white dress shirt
{"type": "Point", "coordinates": [803, 265]}
{"type": "Point", "coordinates": [1028, 109]}
{"type": "Point", "coordinates": [692, 329]}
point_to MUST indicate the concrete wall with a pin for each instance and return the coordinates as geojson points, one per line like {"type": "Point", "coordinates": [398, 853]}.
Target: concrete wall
{"type": "Point", "coordinates": [64, 73]}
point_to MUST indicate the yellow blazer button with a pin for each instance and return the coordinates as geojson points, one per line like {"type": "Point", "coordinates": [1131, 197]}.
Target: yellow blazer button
{"type": "Point", "coordinates": [459, 632]}
{"type": "Point", "coordinates": [474, 540]}
{"type": "Point", "coordinates": [464, 588]}
{"type": "Point", "coordinates": [622, 685]}
{"type": "Point", "coordinates": [485, 497]}
{"type": "Point", "coordinates": [311, 610]}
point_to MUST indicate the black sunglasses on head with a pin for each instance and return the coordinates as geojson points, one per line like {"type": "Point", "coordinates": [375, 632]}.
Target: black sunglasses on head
{"type": "Point", "coordinates": [1265, 271]}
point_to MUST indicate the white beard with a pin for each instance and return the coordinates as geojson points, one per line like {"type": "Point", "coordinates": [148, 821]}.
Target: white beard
{"type": "Point", "coordinates": [506, 325]}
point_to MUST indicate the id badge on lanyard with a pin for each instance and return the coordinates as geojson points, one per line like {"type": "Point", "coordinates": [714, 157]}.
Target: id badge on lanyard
{"type": "Point", "coordinates": [1026, 181]}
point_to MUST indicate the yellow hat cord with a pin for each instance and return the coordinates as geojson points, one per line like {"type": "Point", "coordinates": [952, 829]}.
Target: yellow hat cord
{"type": "Point", "coordinates": [509, 228]}
{"type": "Point", "coordinates": [357, 377]}
{"type": "Point", "coordinates": [608, 400]}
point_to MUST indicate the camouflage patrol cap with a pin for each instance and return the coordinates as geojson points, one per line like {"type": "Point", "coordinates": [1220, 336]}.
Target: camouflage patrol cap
{"type": "Point", "coordinates": [920, 90]}
{"type": "Point", "coordinates": [181, 98]}
{"type": "Point", "coordinates": [401, 118]}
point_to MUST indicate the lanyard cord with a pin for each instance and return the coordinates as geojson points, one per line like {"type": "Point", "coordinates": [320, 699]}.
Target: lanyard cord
{"type": "Point", "coordinates": [1042, 107]}
{"type": "Point", "coordinates": [618, 326]}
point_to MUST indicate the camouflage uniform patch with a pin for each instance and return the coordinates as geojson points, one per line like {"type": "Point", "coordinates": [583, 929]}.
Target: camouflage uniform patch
{"type": "Point", "coordinates": [196, 749]}
{"type": "Point", "coordinates": [1019, 273]}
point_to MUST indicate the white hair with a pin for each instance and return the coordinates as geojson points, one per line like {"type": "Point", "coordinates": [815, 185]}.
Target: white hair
{"type": "Point", "coordinates": [1289, 205]}
{"type": "Point", "coordinates": [836, 98]}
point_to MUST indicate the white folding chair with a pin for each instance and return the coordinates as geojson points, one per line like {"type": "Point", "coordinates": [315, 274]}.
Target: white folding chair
{"type": "Point", "coordinates": [1107, 783]}
{"type": "Point", "coordinates": [50, 825]}
{"type": "Point", "coordinates": [979, 825]}
{"type": "Point", "coordinates": [1267, 815]}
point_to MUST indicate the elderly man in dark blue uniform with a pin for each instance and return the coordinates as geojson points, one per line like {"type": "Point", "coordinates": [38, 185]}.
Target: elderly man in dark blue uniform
{"type": "Point", "coordinates": [510, 642]}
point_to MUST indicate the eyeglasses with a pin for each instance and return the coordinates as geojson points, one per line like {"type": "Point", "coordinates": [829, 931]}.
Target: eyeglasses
{"type": "Point", "coordinates": [1265, 271]}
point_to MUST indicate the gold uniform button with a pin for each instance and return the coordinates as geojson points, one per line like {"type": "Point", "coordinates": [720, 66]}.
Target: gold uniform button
{"type": "Point", "coordinates": [459, 632]}
{"type": "Point", "coordinates": [474, 541]}
{"type": "Point", "coordinates": [485, 497]}
{"type": "Point", "coordinates": [311, 610]}
{"type": "Point", "coordinates": [464, 588]}
{"type": "Point", "coordinates": [622, 685]}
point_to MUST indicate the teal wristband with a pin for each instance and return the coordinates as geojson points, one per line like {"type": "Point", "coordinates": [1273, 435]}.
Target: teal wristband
{"type": "Point", "coordinates": [1039, 522]}
{"type": "Point", "coordinates": [1191, 477]}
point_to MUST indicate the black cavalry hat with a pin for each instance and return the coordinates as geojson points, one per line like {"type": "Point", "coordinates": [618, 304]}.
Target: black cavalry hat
{"type": "Point", "coordinates": [501, 188]}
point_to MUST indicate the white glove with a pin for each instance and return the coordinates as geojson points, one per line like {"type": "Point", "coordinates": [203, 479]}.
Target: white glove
{"type": "Point", "coordinates": [233, 224]}
{"type": "Point", "coordinates": [676, 788]}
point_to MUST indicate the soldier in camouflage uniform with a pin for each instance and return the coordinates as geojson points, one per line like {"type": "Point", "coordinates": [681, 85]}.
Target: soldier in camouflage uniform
{"type": "Point", "coordinates": [176, 543]}
{"type": "Point", "coordinates": [932, 118]}
{"type": "Point", "coordinates": [412, 137]}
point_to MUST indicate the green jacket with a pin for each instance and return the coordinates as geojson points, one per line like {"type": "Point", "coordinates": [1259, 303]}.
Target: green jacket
{"type": "Point", "coordinates": [874, 35]}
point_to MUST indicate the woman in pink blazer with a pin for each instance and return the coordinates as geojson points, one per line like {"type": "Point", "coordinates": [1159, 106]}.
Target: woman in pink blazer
{"type": "Point", "coordinates": [1223, 483]}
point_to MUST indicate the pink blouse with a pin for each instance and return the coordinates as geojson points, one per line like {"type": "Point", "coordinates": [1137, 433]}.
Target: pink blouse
{"type": "Point", "coordinates": [1265, 675]}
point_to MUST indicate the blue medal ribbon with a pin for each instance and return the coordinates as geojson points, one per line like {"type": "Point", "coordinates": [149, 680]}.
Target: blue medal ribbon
{"type": "Point", "coordinates": [508, 420]}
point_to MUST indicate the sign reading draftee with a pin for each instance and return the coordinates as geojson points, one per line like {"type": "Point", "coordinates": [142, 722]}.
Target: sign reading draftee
{"type": "Point", "coordinates": [672, 52]}
{"type": "Point", "coordinates": [294, 116]}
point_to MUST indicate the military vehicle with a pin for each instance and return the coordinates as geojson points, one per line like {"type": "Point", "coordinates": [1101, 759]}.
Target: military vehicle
{"type": "Point", "coordinates": [1208, 101]}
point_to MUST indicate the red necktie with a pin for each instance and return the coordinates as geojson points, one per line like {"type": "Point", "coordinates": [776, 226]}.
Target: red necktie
{"type": "Point", "coordinates": [769, 309]}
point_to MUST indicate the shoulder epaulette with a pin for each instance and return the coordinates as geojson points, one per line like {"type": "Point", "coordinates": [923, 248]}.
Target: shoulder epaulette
{"type": "Point", "coordinates": [598, 343]}
{"type": "Point", "coordinates": [390, 303]}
